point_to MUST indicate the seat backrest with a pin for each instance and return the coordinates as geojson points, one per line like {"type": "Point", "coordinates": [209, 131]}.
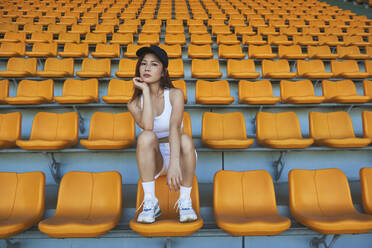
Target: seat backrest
{"type": "Point", "coordinates": [10, 126]}
{"type": "Point", "coordinates": [367, 85]}
{"type": "Point", "coordinates": [4, 89]}
{"type": "Point", "coordinates": [253, 49]}
{"type": "Point", "coordinates": [255, 89]}
{"type": "Point", "coordinates": [320, 192]}
{"type": "Point", "coordinates": [347, 50]}
{"type": "Point", "coordinates": [285, 50]}
{"type": "Point", "coordinates": [212, 88]}
{"type": "Point", "coordinates": [53, 126]}
{"type": "Point", "coordinates": [338, 88]}
{"type": "Point", "coordinates": [246, 65]}
{"type": "Point", "coordinates": [335, 125]}
{"type": "Point", "coordinates": [168, 199]}
{"type": "Point", "coordinates": [119, 87]}
{"type": "Point", "coordinates": [94, 65]}
{"type": "Point", "coordinates": [304, 66]}
{"type": "Point", "coordinates": [275, 66]}
{"type": "Point", "coordinates": [112, 126]}
{"type": "Point", "coordinates": [344, 66]}
{"type": "Point", "coordinates": [75, 87]}
{"type": "Point", "coordinates": [36, 88]}
{"type": "Point", "coordinates": [296, 88]}
{"type": "Point", "coordinates": [20, 64]}
{"type": "Point", "coordinates": [54, 64]}
{"type": "Point", "coordinates": [366, 187]}
{"type": "Point", "coordinates": [87, 195]}
{"type": "Point", "coordinates": [312, 50]}
{"type": "Point", "coordinates": [22, 195]}
{"type": "Point", "coordinates": [14, 47]}
{"type": "Point", "coordinates": [367, 123]}
{"type": "Point", "coordinates": [223, 126]}
{"type": "Point", "coordinates": [283, 125]}
{"type": "Point", "coordinates": [127, 65]}
{"type": "Point", "coordinates": [368, 66]}
{"type": "Point", "coordinates": [243, 193]}
{"type": "Point", "coordinates": [207, 65]}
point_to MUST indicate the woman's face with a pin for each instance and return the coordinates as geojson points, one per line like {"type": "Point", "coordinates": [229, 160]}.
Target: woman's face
{"type": "Point", "coordinates": [151, 69]}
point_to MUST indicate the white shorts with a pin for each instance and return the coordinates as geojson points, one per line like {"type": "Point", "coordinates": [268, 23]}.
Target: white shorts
{"type": "Point", "coordinates": [165, 153]}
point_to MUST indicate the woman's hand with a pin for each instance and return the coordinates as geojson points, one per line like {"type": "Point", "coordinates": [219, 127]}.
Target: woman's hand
{"type": "Point", "coordinates": [138, 83]}
{"type": "Point", "coordinates": [174, 177]}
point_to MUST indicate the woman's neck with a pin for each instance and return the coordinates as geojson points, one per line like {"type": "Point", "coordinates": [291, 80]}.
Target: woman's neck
{"type": "Point", "coordinates": [155, 89]}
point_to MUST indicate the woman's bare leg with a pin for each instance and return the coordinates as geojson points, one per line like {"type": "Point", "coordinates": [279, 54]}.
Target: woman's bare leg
{"type": "Point", "coordinates": [188, 160]}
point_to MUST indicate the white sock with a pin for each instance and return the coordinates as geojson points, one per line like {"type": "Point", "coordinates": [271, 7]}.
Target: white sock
{"type": "Point", "coordinates": [149, 189]}
{"type": "Point", "coordinates": [185, 192]}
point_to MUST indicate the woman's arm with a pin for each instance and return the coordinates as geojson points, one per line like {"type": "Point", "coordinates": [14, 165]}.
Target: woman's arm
{"type": "Point", "coordinates": [143, 117]}
{"type": "Point", "coordinates": [174, 175]}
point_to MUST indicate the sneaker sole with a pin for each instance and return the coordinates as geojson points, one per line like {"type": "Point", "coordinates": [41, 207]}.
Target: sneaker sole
{"type": "Point", "coordinates": [188, 220]}
{"type": "Point", "coordinates": [146, 221]}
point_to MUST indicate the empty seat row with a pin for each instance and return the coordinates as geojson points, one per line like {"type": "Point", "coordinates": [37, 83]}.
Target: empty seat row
{"type": "Point", "coordinates": [90, 204]}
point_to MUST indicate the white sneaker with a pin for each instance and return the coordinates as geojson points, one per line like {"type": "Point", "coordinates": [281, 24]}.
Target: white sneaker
{"type": "Point", "coordinates": [150, 211]}
{"type": "Point", "coordinates": [186, 211]}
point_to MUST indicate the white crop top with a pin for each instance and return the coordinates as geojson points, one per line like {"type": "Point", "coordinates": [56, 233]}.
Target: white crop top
{"type": "Point", "coordinates": [161, 122]}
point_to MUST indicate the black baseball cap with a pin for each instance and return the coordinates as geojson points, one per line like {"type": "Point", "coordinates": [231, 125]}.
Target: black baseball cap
{"type": "Point", "coordinates": [160, 53]}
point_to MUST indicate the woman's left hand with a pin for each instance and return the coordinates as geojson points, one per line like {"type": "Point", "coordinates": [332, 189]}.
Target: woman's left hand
{"type": "Point", "coordinates": [174, 177]}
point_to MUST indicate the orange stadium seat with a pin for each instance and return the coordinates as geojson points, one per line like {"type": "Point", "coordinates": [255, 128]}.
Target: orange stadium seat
{"type": "Point", "coordinates": [121, 39]}
{"type": "Point", "coordinates": [365, 183]}
{"type": "Point", "coordinates": [278, 40]}
{"type": "Point", "coordinates": [200, 39]}
{"type": "Point", "coordinates": [11, 49]}
{"type": "Point", "coordinates": [175, 39]}
{"type": "Point", "coordinates": [52, 131]}
{"type": "Point", "coordinates": [127, 68]}
{"type": "Point", "coordinates": [225, 131]}
{"type": "Point", "coordinates": [368, 67]}
{"type": "Point", "coordinates": [347, 69]}
{"type": "Point", "coordinates": [57, 68]}
{"type": "Point", "coordinates": [175, 68]}
{"type": "Point", "coordinates": [241, 69]}
{"type": "Point", "coordinates": [291, 52]}
{"type": "Point", "coordinates": [94, 39]}
{"type": "Point", "coordinates": [230, 52]}
{"type": "Point", "coordinates": [276, 69]}
{"type": "Point", "coordinates": [312, 69]}
{"type": "Point", "coordinates": [321, 52]}
{"type": "Point", "coordinates": [127, 29]}
{"type": "Point", "coordinates": [107, 51]}
{"type": "Point", "coordinates": [79, 91]}
{"type": "Point", "coordinates": [253, 40]}
{"type": "Point", "coordinates": [304, 40]}
{"type": "Point", "coordinates": [103, 29]}
{"type": "Point", "coordinates": [33, 92]}
{"type": "Point", "coordinates": [13, 36]}
{"type": "Point", "coordinates": [81, 29]}
{"type": "Point", "coordinates": [151, 29]}
{"type": "Point", "coordinates": [64, 38]}
{"type": "Point", "coordinates": [354, 41]}
{"type": "Point", "coordinates": [4, 90]}
{"type": "Point", "coordinates": [367, 124]}
{"type": "Point", "coordinates": [20, 67]}
{"type": "Point", "coordinates": [105, 134]}
{"type": "Point", "coordinates": [261, 52]}
{"type": "Point", "coordinates": [280, 130]}
{"type": "Point", "coordinates": [367, 86]}
{"type": "Point", "coordinates": [244, 204]}
{"type": "Point", "coordinates": [343, 91]}
{"type": "Point", "coordinates": [173, 51]}
{"type": "Point", "coordinates": [197, 29]}
{"type": "Point", "coordinates": [132, 49]}
{"type": "Point", "coordinates": [244, 31]}
{"type": "Point", "coordinates": [209, 68]}
{"type": "Point", "coordinates": [119, 91]}
{"type": "Point", "coordinates": [167, 224]}
{"type": "Point", "coordinates": [321, 200]}
{"type": "Point", "coordinates": [144, 38]}
{"type": "Point", "coordinates": [227, 39]}
{"type": "Point", "coordinates": [216, 92]}
{"type": "Point", "coordinates": [334, 129]}
{"type": "Point", "coordinates": [43, 50]}
{"type": "Point", "coordinates": [10, 131]}
{"type": "Point", "coordinates": [38, 36]}
{"type": "Point", "coordinates": [57, 28]}
{"type": "Point", "coordinates": [95, 68]}
{"type": "Point", "coordinates": [22, 201]}
{"type": "Point", "coordinates": [350, 52]}
{"type": "Point", "coordinates": [330, 40]}
{"type": "Point", "coordinates": [259, 92]}
{"type": "Point", "coordinates": [298, 92]}
{"type": "Point", "coordinates": [89, 205]}
{"type": "Point", "coordinates": [72, 50]}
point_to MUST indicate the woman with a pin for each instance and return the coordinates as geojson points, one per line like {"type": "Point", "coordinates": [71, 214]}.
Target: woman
{"type": "Point", "coordinates": [162, 149]}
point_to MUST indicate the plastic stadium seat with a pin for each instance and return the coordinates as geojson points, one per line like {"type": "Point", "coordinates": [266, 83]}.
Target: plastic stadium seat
{"type": "Point", "coordinates": [321, 200]}
{"type": "Point", "coordinates": [57, 28]}
{"type": "Point", "coordinates": [52, 131]}
{"type": "Point", "coordinates": [12, 36]}
{"type": "Point", "coordinates": [127, 29]}
{"type": "Point", "coordinates": [127, 68]}
{"type": "Point", "coordinates": [194, 22]}
{"type": "Point", "coordinates": [209, 68]}
{"type": "Point", "coordinates": [89, 205]}
{"type": "Point", "coordinates": [43, 50]}
{"type": "Point", "coordinates": [261, 52]}
{"type": "Point", "coordinates": [144, 38]}
{"type": "Point", "coordinates": [79, 91]}
{"type": "Point", "coordinates": [121, 39]}
{"type": "Point", "coordinates": [33, 92]}
{"type": "Point", "coordinates": [244, 31]}
{"type": "Point", "coordinates": [368, 67]}
{"type": "Point", "coordinates": [119, 91]}
{"type": "Point", "coordinates": [343, 91]}
{"type": "Point", "coordinates": [354, 41]}
{"type": "Point", "coordinates": [82, 29]}
{"type": "Point", "coordinates": [244, 203]}
{"type": "Point", "coordinates": [217, 92]}
{"type": "Point", "coordinates": [64, 38]}
{"type": "Point", "coordinates": [334, 129]}
{"type": "Point", "coordinates": [132, 49]}
{"type": "Point", "coordinates": [366, 186]}
{"type": "Point", "coordinates": [103, 29]}
{"type": "Point", "coordinates": [278, 40]}
{"type": "Point", "coordinates": [367, 124]}
{"type": "Point", "coordinates": [110, 131]}
{"type": "Point", "coordinates": [280, 130]}
{"type": "Point", "coordinates": [229, 39]}
{"type": "Point", "coordinates": [312, 69]}
{"type": "Point", "coordinates": [216, 30]}
{"type": "Point", "coordinates": [201, 39]}
{"type": "Point", "coordinates": [20, 67]}
{"type": "Point", "coordinates": [151, 29]}
{"type": "Point", "coordinates": [4, 90]}
{"type": "Point", "coordinates": [289, 31]}
{"type": "Point", "coordinates": [93, 39]}
{"type": "Point", "coordinates": [320, 52]}
{"type": "Point", "coordinates": [107, 51]}
{"type": "Point", "coordinates": [291, 52]}
{"type": "Point", "coordinates": [313, 31]}
{"type": "Point", "coordinates": [241, 69]}
{"type": "Point", "coordinates": [37, 37]}
{"type": "Point", "coordinates": [68, 20]}
{"type": "Point", "coordinates": [225, 131]}
{"type": "Point", "coordinates": [22, 201]}
{"type": "Point", "coordinates": [253, 40]}
{"type": "Point", "coordinates": [256, 23]}
{"type": "Point", "coordinates": [11, 49]}
{"type": "Point", "coordinates": [167, 224]}
{"type": "Point", "coordinates": [173, 51]}
{"type": "Point", "coordinates": [175, 39]}
{"type": "Point", "coordinates": [95, 68]}
{"type": "Point", "coordinates": [304, 40]}
{"type": "Point", "coordinates": [8, 27]}
{"type": "Point", "coordinates": [230, 51]}
{"type": "Point", "coordinates": [267, 31]}
{"type": "Point", "coordinates": [330, 40]}
{"type": "Point", "coordinates": [175, 68]}
{"type": "Point", "coordinates": [198, 29]}
{"type": "Point", "coordinates": [367, 86]}
{"type": "Point", "coordinates": [276, 69]}
{"type": "Point", "coordinates": [72, 50]}
{"type": "Point", "coordinates": [57, 68]}
{"type": "Point", "coordinates": [259, 92]}
{"type": "Point", "coordinates": [174, 29]}
{"type": "Point", "coordinates": [298, 92]}
{"type": "Point", "coordinates": [10, 131]}
{"type": "Point", "coordinates": [369, 50]}
{"type": "Point", "coordinates": [347, 69]}
{"type": "Point", "coordinates": [350, 52]}
{"type": "Point", "coordinates": [181, 84]}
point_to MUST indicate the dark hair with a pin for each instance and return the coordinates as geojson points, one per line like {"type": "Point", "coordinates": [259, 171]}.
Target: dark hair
{"type": "Point", "coordinates": [165, 82]}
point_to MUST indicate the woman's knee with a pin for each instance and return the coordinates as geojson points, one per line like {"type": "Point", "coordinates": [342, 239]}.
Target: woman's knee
{"type": "Point", "coordinates": [146, 139]}
{"type": "Point", "coordinates": [187, 144]}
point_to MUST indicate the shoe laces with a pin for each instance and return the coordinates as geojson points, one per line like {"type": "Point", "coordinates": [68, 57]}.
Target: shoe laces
{"type": "Point", "coordinates": [147, 204]}
{"type": "Point", "coordinates": [184, 204]}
